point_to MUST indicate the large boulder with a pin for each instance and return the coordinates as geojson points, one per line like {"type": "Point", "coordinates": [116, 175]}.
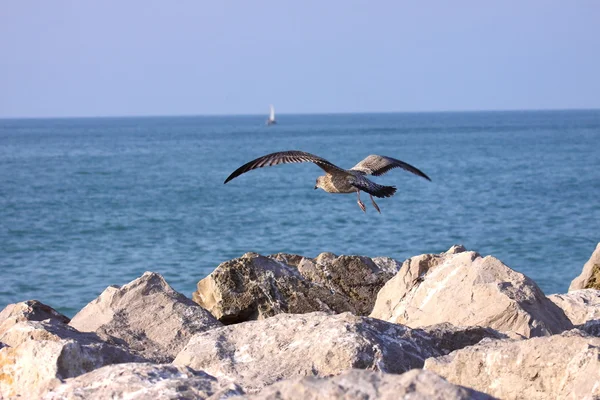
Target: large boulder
{"type": "Point", "coordinates": [147, 315]}
{"type": "Point", "coordinates": [590, 275]}
{"type": "Point", "coordinates": [42, 353]}
{"type": "Point", "coordinates": [255, 287]}
{"type": "Point", "coordinates": [143, 381]}
{"type": "Point", "coordinates": [258, 353]}
{"type": "Point", "coordinates": [465, 289]}
{"type": "Point", "coordinates": [565, 366]}
{"type": "Point", "coordinates": [415, 384]}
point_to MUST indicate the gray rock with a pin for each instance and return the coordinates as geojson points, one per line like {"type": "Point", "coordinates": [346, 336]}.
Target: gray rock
{"type": "Point", "coordinates": [355, 384]}
{"type": "Point", "coordinates": [465, 289]}
{"type": "Point", "coordinates": [590, 275]}
{"type": "Point", "coordinates": [591, 327]}
{"type": "Point", "coordinates": [256, 287]}
{"type": "Point", "coordinates": [258, 353]}
{"type": "Point", "coordinates": [356, 277]}
{"type": "Point", "coordinates": [143, 381]}
{"type": "Point", "coordinates": [146, 315]}
{"type": "Point", "coordinates": [580, 306]}
{"type": "Point", "coordinates": [565, 366]}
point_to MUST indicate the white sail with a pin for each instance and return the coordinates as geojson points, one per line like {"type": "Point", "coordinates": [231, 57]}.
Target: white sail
{"type": "Point", "coordinates": [272, 115]}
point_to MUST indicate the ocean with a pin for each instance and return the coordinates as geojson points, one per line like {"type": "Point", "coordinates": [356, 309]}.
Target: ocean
{"type": "Point", "coordinates": [92, 202]}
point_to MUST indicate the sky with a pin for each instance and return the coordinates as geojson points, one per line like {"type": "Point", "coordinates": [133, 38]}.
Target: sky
{"type": "Point", "coordinates": [77, 58]}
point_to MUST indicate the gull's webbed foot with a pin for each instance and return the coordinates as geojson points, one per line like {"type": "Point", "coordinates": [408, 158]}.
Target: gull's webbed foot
{"type": "Point", "coordinates": [375, 204]}
{"type": "Point", "coordinates": [360, 203]}
{"type": "Point", "coordinates": [362, 206]}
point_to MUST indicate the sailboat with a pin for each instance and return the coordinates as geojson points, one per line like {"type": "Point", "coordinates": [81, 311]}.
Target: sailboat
{"type": "Point", "coordinates": [271, 120]}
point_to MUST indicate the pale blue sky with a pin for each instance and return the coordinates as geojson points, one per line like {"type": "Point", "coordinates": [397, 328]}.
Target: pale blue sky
{"type": "Point", "coordinates": [141, 57]}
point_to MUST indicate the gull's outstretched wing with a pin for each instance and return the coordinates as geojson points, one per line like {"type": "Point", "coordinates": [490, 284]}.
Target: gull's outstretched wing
{"type": "Point", "coordinates": [379, 165]}
{"type": "Point", "coordinates": [286, 157]}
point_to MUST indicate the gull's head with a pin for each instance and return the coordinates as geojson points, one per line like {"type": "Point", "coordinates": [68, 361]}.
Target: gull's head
{"type": "Point", "coordinates": [320, 182]}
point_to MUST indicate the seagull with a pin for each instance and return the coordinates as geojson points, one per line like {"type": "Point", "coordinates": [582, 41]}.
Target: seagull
{"type": "Point", "coordinates": [336, 179]}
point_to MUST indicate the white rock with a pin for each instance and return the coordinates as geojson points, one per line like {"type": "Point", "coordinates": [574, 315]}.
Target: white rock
{"type": "Point", "coordinates": [141, 381]}
{"type": "Point", "coordinates": [465, 289]}
{"type": "Point", "coordinates": [258, 353]}
{"type": "Point", "coordinates": [355, 384]}
{"type": "Point", "coordinates": [147, 315]}
{"type": "Point", "coordinates": [580, 306]}
{"type": "Point", "coordinates": [33, 366]}
{"type": "Point", "coordinates": [565, 366]}
{"type": "Point", "coordinates": [30, 310]}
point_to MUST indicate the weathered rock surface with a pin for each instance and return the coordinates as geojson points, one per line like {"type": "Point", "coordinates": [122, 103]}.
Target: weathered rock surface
{"type": "Point", "coordinates": [44, 352]}
{"type": "Point", "coordinates": [358, 278]}
{"type": "Point", "coordinates": [355, 384]}
{"type": "Point", "coordinates": [590, 275]}
{"type": "Point", "coordinates": [580, 306]}
{"type": "Point", "coordinates": [447, 337]}
{"type": "Point", "coordinates": [30, 310]}
{"type": "Point", "coordinates": [258, 353]}
{"type": "Point", "coordinates": [565, 366]}
{"type": "Point", "coordinates": [465, 289]}
{"type": "Point", "coordinates": [255, 287]}
{"type": "Point", "coordinates": [147, 315]}
{"type": "Point", "coordinates": [46, 330]}
{"type": "Point", "coordinates": [289, 259]}
{"type": "Point", "coordinates": [143, 381]}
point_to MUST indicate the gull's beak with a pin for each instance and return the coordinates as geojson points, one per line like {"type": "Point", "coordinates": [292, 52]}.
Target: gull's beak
{"type": "Point", "coordinates": [316, 187]}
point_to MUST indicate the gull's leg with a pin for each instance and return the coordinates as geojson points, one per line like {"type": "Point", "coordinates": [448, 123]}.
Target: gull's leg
{"type": "Point", "coordinates": [360, 203]}
{"type": "Point", "coordinates": [374, 204]}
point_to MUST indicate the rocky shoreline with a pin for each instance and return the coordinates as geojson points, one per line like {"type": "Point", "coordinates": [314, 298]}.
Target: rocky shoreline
{"type": "Point", "coordinates": [454, 325]}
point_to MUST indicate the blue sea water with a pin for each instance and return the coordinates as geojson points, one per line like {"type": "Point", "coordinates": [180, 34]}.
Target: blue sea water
{"type": "Point", "coordinates": [87, 203]}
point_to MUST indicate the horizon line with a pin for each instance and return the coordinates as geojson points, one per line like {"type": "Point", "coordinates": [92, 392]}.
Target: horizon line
{"type": "Point", "coordinates": [295, 113]}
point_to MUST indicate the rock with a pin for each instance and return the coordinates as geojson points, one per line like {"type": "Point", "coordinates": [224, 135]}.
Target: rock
{"type": "Point", "coordinates": [358, 278]}
{"type": "Point", "coordinates": [416, 384]}
{"type": "Point", "coordinates": [565, 366]}
{"type": "Point", "coordinates": [590, 275]}
{"type": "Point", "coordinates": [387, 264]}
{"type": "Point", "coordinates": [147, 315]}
{"type": "Point", "coordinates": [143, 381]}
{"type": "Point", "coordinates": [591, 327]}
{"type": "Point", "coordinates": [30, 310]}
{"type": "Point", "coordinates": [46, 330]}
{"type": "Point", "coordinates": [447, 337]}
{"type": "Point", "coordinates": [44, 352]}
{"type": "Point", "coordinates": [256, 287]}
{"type": "Point", "coordinates": [465, 289]}
{"type": "Point", "coordinates": [258, 353]}
{"type": "Point", "coordinates": [580, 306]}
{"type": "Point", "coordinates": [289, 259]}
